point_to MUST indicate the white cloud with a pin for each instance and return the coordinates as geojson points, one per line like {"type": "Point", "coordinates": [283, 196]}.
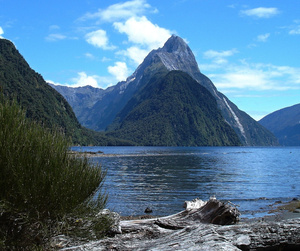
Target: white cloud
{"type": "Point", "coordinates": [89, 56]}
{"type": "Point", "coordinates": [242, 79]}
{"type": "Point", "coordinates": [120, 11]}
{"type": "Point", "coordinates": [219, 57]}
{"type": "Point", "coordinates": [128, 18]}
{"type": "Point", "coordinates": [55, 37]}
{"type": "Point", "coordinates": [105, 59]}
{"type": "Point", "coordinates": [292, 74]}
{"type": "Point", "coordinates": [99, 39]}
{"type": "Point", "coordinates": [263, 37]}
{"type": "Point", "coordinates": [135, 53]}
{"type": "Point", "coordinates": [144, 33]}
{"type": "Point", "coordinates": [83, 79]}
{"type": "Point", "coordinates": [52, 82]}
{"type": "Point", "coordinates": [1, 32]}
{"type": "Point", "coordinates": [261, 12]}
{"type": "Point", "coordinates": [214, 54]}
{"type": "Point", "coordinates": [119, 71]}
{"type": "Point", "coordinates": [54, 27]}
{"type": "Point", "coordinates": [295, 30]}
{"type": "Point", "coordinates": [258, 77]}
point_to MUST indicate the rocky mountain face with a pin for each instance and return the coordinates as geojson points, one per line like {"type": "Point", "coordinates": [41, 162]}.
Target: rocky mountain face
{"type": "Point", "coordinates": [82, 100]}
{"type": "Point", "coordinates": [174, 55]}
{"type": "Point", "coordinates": [285, 125]}
{"type": "Point", "coordinates": [41, 102]}
{"type": "Point", "coordinates": [173, 110]}
{"type": "Point", "coordinates": [107, 103]}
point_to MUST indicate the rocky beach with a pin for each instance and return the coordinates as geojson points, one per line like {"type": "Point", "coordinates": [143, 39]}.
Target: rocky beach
{"type": "Point", "coordinates": [212, 225]}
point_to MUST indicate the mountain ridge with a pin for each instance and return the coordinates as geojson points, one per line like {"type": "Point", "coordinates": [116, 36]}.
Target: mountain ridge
{"type": "Point", "coordinates": [41, 102]}
{"type": "Point", "coordinates": [284, 124]}
{"type": "Point", "coordinates": [173, 110]}
{"type": "Point", "coordinates": [176, 55]}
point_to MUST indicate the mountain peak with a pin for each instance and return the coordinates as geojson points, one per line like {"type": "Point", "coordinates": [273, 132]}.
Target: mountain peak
{"type": "Point", "coordinates": [173, 110]}
{"type": "Point", "coordinates": [177, 55]}
{"type": "Point", "coordinates": [175, 43]}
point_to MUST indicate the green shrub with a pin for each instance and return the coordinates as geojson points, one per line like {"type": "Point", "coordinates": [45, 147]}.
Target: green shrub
{"type": "Point", "coordinates": [37, 173]}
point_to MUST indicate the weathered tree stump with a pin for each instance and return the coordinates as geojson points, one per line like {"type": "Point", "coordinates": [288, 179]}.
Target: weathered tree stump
{"type": "Point", "coordinates": [205, 228]}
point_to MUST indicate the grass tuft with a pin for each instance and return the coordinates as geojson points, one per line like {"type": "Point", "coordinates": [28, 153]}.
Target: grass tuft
{"type": "Point", "coordinates": [39, 180]}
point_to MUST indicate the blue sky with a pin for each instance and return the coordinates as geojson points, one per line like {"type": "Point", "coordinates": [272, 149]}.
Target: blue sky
{"type": "Point", "coordinates": [249, 49]}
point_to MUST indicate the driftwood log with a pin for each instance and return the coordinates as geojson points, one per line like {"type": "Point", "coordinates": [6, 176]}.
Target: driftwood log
{"type": "Point", "coordinates": [208, 227]}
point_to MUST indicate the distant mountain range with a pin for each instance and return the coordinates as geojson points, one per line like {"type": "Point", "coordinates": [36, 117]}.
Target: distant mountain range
{"type": "Point", "coordinates": [41, 102]}
{"type": "Point", "coordinates": [285, 125]}
{"type": "Point", "coordinates": [120, 108]}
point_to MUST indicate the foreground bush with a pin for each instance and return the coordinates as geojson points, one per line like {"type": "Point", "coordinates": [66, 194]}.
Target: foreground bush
{"type": "Point", "coordinates": [38, 176]}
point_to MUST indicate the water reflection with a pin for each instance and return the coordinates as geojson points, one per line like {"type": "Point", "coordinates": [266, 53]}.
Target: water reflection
{"type": "Point", "coordinates": [156, 181]}
{"type": "Point", "coordinates": [163, 178]}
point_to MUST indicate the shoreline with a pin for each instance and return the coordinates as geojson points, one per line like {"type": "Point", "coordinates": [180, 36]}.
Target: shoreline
{"type": "Point", "coordinates": [283, 211]}
{"type": "Point", "coordinates": [127, 229]}
{"type": "Point", "coordinates": [201, 229]}
{"type": "Point", "coordinates": [98, 154]}
{"type": "Point", "coordinates": [278, 210]}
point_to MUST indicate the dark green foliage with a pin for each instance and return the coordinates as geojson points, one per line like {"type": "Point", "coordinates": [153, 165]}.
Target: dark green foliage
{"type": "Point", "coordinates": [97, 109]}
{"type": "Point", "coordinates": [104, 112]}
{"type": "Point", "coordinates": [37, 173]}
{"type": "Point", "coordinates": [174, 110]}
{"type": "Point", "coordinates": [39, 179]}
{"type": "Point", "coordinates": [252, 133]}
{"type": "Point", "coordinates": [41, 102]}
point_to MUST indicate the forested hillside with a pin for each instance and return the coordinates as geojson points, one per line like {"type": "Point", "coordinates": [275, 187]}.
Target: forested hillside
{"type": "Point", "coordinates": [99, 108]}
{"type": "Point", "coordinates": [41, 102]}
{"type": "Point", "coordinates": [175, 111]}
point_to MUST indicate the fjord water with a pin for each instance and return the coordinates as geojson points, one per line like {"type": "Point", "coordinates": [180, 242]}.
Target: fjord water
{"type": "Point", "coordinates": [162, 178]}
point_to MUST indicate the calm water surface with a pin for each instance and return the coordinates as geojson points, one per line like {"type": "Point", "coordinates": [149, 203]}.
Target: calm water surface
{"type": "Point", "coordinates": [163, 178]}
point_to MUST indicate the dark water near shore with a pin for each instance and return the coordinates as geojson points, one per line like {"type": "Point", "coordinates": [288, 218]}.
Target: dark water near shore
{"type": "Point", "coordinates": [254, 178]}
